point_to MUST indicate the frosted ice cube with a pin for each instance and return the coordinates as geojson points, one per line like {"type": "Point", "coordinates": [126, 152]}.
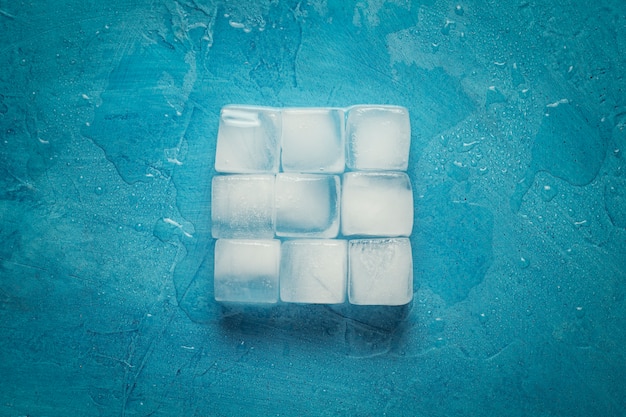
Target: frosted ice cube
{"type": "Point", "coordinates": [242, 206]}
{"type": "Point", "coordinates": [381, 272]}
{"type": "Point", "coordinates": [376, 204]}
{"type": "Point", "coordinates": [313, 140]}
{"type": "Point", "coordinates": [246, 270]}
{"type": "Point", "coordinates": [314, 271]}
{"type": "Point", "coordinates": [248, 140]}
{"type": "Point", "coordinates": [378, 138]}
{"type": "Point", "coordinates": [307, 205]}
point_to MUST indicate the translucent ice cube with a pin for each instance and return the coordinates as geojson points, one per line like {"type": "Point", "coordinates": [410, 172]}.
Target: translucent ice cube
{"type": "Point", "coordinates": [307, 205]}
{"type": "Point", "coordinates": [376, 204]}
{"type": "Point", "coordinates": [242, 206]}
{"type": "Point", "coordinates": [313, 140]}
{"type": "Point", "coordinates": [313, 271]}
{"type": "Point", "coordinates": [378, 138]}
{"type": "Point", "coordinates": [248, 140]}
{"type": "Point", "coordinates": [246, 270]}
{"type": "Point", "coordinates": [381, 272]}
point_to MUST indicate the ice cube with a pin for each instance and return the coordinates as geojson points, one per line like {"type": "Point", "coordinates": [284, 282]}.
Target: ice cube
{"type": "Point", "coordinates": [313, 140]}
{"type": "Point", "coordinates": [242, 206]}
{"type": "Point", "coordinates": [246, 270]}
{"type": "Point", "coordinates": [314, 271]}
{"type": "Point", "coordinates": [307, 205]}
{"type": "Point", "coordinates": [381, 271]}
{"type": "Point", "coordinates": [378, 138]}
{"type": "Point", "coordinates": [248, 140]}
{"type": "Point", "coordinates": [376, 204]}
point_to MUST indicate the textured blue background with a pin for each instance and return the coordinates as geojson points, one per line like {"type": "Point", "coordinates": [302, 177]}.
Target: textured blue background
{"type": "Point", "coordinates": [108, 119]}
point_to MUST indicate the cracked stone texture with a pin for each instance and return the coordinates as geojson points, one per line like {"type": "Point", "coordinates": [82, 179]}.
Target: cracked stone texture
{"type": "Point", "coordinates": [108, 120]}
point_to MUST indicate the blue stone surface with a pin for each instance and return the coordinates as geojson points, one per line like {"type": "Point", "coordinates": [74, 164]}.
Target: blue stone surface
{"type": "Point", "coordinates": [108, 121]}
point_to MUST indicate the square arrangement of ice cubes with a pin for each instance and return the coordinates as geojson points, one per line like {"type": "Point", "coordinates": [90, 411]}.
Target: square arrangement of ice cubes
{"type": "Point", "coordinates": [313, 205]}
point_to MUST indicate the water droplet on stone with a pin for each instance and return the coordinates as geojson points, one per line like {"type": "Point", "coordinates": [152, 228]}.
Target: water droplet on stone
{"type": "Point", "coordinates": [449, 25]}
{"type": "Point", "coordinates": [580, 312]}
{"type": "Point", "coordinates": [523, 262]}
{"type": "Point", "coordinates": [458, 171]}
{"type": "Point", "coordinates": [494, 95]}
{"type": "Point", "coordinates": [548, 192]}
{"type": "Point", "coordinates": [438, 325]}
{"type": "Point", "coordinates": [615, 201]}
{"type": "Point", "coordinates": [516, 76]}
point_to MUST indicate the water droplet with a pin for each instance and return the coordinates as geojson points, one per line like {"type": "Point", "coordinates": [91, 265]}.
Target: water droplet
{"type": "Point", "coordinates": [449, 25]}
{"type": "Point", "coordinates": [524, 93]}
{"type": "Point", "coordinates": [467, 146]}
{"type": "Point", "coordinates": [516, 75]}
{"type": "Point", "coordinates": [548, 192]}
{"type": "Point", "coordinates": [458, 9]}
{"type": "Point", "coordinates": [438, 325]}
{"type": "Point", "coordinates": [483, 318]}
{"type": "Point", "coordinates": [99, 190]}
{"type": "Point", "coordinates": [523, 262]}
{"type": "Point", "coordinates": [494, 95]}
{"type": "Point", "coordinates": [615, 201]}
{"type": "Point", "coordinates": [236, 25]}
{"type": "Point", "coordinates": [457, 171]}
{"type": "Point", "coordinates": [580, 312]}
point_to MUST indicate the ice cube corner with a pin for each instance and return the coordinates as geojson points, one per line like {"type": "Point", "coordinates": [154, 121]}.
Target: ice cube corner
{"type": "Point", "coordinates": [313, 205]}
